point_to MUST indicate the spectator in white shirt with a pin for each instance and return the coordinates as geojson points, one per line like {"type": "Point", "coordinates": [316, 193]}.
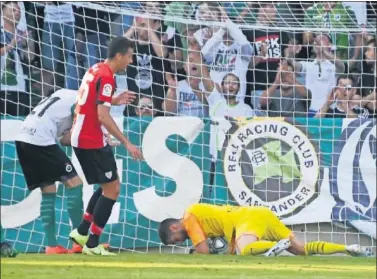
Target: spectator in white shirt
{"type": "Point", "coordinates": [14, 50]}
{"type": "Point", "coordinates": [320, 74]}
{"type": "Point", "coordinates": [182, 100]}
{"type": "Point", "coordinates": [222, 99]}
{"type": "Point", "coordinates": [228, 51]}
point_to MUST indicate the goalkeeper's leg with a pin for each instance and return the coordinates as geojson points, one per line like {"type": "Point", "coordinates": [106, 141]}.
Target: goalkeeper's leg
{"type": "Point", "coordinates": [327, 248]}
{"type": "Point", "coordinates": [248, 244]}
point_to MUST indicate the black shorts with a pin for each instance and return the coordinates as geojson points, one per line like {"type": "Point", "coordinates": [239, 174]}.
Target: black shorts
{"type": "Point", "coordinates": [44, 165]}
{"type": "Point", "coordinates": [98, 165]}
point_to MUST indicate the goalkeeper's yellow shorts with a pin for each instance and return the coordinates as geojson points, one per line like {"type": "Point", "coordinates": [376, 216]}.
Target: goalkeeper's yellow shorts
{"type": "Point", "coordinates": [260, 222]}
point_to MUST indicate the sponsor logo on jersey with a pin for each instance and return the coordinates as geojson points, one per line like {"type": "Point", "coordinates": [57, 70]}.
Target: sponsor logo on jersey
{"type": "Point", "coordinates": [272, 155]}
{"type": "Point", "coordinates": [109, 174]}
{"type": "Point", "coordinates": [68, 168]}
{"type": "Point", "coordinates": [107, 90]}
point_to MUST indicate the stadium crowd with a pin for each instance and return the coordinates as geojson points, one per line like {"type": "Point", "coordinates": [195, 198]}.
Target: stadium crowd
{"type": "Point", "coordinates": [245, 67]}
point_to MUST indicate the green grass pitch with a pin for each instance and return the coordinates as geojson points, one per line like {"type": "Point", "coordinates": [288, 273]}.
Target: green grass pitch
{"type": "Point", "coordinates": [167, 266]}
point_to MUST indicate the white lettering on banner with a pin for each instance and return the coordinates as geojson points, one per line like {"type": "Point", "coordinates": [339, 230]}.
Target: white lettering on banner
{"type": "Point", "coordinates": [268, 161]}
{"type": "Point", "coordinates": [186, 174]}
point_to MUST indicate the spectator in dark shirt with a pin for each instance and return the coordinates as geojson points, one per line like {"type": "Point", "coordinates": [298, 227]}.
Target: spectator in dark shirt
{"type": "Point", "coordinates": [146, 74]}
{"type": "Point", "coordinates": [92, 28]}
{"type": "Point", "coordinates": [286, 97]}
{"type": "Point", "coordinates": [339, 103]}
{"type": "Point", "coordinates": [269, 48]}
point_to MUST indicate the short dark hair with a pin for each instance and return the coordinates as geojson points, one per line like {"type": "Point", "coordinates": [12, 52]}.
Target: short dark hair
{"type": "Point", "coordinates": [344, 76]}
{"type": "Point", "coordinates": [118, 45]}
{"type": "Point", "coordinates": [164, 229]}
{"type": "Point", "coordinates": [230, 74]}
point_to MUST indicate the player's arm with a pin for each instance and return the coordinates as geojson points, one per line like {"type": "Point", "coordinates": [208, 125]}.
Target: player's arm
{"type": "Point", "coordinates": [65, 140]}
{"type": "Point", "coordinates": [196, 234]}
{"type": "Point", "coordinates": [104, 100]}
{"type": "Point", "coordinates": [202, 248]}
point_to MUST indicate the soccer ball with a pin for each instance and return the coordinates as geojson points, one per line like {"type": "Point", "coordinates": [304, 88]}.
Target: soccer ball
{"type": "Point", "coordinates": [218, 245]}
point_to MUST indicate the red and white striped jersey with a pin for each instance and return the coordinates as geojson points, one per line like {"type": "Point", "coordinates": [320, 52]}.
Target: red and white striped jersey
{"type": "Point", "coordinates": [97, 87]}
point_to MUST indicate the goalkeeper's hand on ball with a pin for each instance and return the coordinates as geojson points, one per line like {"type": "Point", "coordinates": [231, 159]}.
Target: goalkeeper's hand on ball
{"type": "Point", "coordinates": [217, 245]}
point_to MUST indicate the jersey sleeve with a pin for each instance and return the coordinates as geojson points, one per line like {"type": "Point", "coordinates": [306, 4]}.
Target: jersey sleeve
{"type": "Point", "coordinates": [105, 88]}
{"type": "Point", "coordinates": [194, 229]}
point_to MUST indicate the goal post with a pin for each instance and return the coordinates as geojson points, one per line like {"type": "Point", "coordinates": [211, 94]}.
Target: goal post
{"type": "Point", "coordinates": [317, 174]}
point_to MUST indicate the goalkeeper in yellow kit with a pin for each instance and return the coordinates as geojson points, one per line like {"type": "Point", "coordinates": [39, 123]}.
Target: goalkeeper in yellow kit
{"type": "Point", "coordinates": [248, 230]}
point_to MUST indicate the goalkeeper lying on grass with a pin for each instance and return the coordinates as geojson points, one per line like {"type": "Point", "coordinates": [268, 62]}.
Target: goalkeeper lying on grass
{"type": "Point", "coordinates": [249, 230]}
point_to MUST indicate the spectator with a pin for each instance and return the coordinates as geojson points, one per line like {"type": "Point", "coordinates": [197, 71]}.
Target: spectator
{"type": "Point", "coordinates": [268, 47]}
{"type": "Point", "coordinates": [58, 34]}
{"type": "Point", "coordinates": [207, 12]}
{"type": "Point", "coordinates": [92, 29]}
{"type": "Point", "coordinates": [146, 74]}
{"type": "Point", "coordinates": [222, 99]}
{"type": "Point", "coordinates": [240, 12]}
{"type": "Point", "coordinates": [339, 102]}
{"type": "Point", "coordinates": [127, 19]}
{"type": "Point", "coordinates": [13, 47]}
{"type": "Point", "coordinates": [320, 73]}
{"type": "Point", "coordinates": [368, 81]}
{"type": "Point", "coordinates": [228, 51]}
{"type": "Point", "coordinates": [145, 107]}
{"type": "Point", "coordinates": [182, 100]}
{"type": "Point", "coordinates": [183, 9]}
{"type": "Point", "coordinates": [286, 97]}
{"type": "Point", "coordinates": [332, 15]}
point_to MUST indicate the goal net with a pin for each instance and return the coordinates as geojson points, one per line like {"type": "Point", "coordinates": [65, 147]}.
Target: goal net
{"type": "Point", "coordinates": [251, 104]}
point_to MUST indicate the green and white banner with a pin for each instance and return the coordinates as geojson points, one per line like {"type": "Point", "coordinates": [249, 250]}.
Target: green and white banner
{"type": "Point", "coordinates": [306, 170]}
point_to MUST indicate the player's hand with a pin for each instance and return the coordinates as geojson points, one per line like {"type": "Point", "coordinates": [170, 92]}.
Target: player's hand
{"type": "Point", "coordinates": [124, 98]}
{"type": "Point", "coordinates": [134, 151]}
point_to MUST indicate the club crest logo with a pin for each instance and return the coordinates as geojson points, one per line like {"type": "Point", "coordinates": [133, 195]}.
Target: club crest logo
{"type": "Point", "coordinates": [68, 168]}
{"type": "Point", "coordinates": [271, 163]}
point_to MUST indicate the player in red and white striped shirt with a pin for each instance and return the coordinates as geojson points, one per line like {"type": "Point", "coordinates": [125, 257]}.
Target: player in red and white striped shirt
{"type": "Point", "coordinates": [92, 122]}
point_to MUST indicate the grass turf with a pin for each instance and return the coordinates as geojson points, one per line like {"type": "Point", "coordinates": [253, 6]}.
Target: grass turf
{"type": "Point", "coordinates": [165, 266]}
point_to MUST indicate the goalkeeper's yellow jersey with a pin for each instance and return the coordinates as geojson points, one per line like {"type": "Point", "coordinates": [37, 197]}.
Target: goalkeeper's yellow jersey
{"type": "Point", "coordinates": [203, 221]}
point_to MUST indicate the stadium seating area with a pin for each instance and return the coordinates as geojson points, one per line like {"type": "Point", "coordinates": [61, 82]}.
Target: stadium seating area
{"type": "Point", "coordinates": [287, 56]}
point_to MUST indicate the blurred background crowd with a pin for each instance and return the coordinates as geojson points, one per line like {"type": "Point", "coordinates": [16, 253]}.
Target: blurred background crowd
{"type": "Point", "coordinates": [198, 58]}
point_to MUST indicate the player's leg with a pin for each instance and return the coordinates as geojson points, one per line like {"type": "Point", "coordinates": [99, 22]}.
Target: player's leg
{"type": "Point", "coordinates": [276, 231]}
{"type": "Point", "coordinates": [99, 167]}
{"type": "Point", "coordinates": [7, 251]}
{"type": "Point", "coordinates": [250, 229]}
{"type": "Point", "coordinates": [75, 205]}
{"type": "Point", "coordinates": [249, 244]}
{"type": "Point", "coordinates": [102, 212]}
{"type": "Point", "coordinates": [327, 248]}
{"type": "Point", "coordinates": [41, 168]}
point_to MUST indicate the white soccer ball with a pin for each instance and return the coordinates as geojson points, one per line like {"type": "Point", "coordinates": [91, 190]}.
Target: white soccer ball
{"type": "Point", "coordinates": [218, 244]}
